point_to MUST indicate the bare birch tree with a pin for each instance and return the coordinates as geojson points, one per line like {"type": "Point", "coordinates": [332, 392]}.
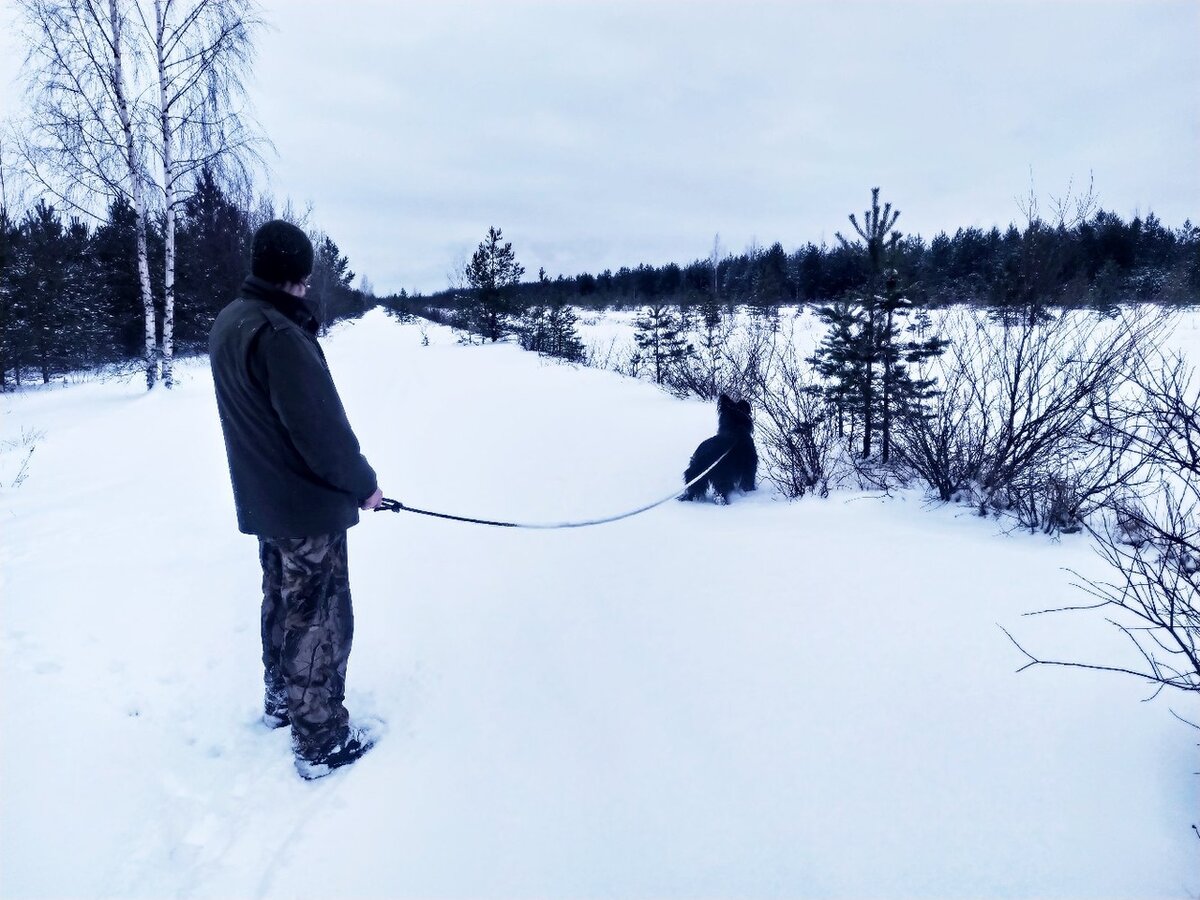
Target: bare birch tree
{"type": "Point", "coordinates": [118, 85]}
{"type": "Point", "coordinates": [201, 51]}
{"type": "Point", "coordinates": [85, 142]}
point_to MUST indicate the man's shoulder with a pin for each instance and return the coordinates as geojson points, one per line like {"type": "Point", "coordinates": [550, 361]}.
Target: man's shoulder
{"type": "Point", "coordinates": [277, 320]}
{"type": "Point", "coordinates": [236, 328]}
{"type": "Point", "coordinates": [248, 311]}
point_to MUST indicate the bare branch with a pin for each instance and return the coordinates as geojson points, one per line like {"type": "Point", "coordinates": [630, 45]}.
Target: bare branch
{"type": "Point", "coordinates": [1036, 661]}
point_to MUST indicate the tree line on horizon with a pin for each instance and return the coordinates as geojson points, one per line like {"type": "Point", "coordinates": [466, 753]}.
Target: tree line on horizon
{"type": "Point", "coordinates": [70, 293]}
{"type": "Point", "coordinates": [1098, 260]}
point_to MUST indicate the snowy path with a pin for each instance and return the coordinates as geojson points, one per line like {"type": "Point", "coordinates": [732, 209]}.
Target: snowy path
{"type": "Point", "coordinates": [769, 699]}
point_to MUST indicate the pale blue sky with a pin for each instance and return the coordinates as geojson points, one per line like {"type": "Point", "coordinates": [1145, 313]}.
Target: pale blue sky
{"type": "Point", "coordinates": [601, 134]}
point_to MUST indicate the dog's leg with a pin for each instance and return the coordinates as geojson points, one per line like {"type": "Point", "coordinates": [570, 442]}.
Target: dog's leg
{"type": "Point", "coordinates": [750, 479]}
{"type": "Point", "coordinates": [689, 491]}
{"type": "Point", "coordinates": [724, 481]}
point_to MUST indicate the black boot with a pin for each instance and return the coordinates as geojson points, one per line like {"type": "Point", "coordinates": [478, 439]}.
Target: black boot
{"type": "Point", "coordinates": [358, 739]}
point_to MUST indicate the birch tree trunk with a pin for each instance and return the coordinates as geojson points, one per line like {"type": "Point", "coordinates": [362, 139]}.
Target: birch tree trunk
{"type": "Point", "coordinates": [202, 49]}
{"type": "Point", "coordinates": [135, 189]}
{"type": "Point", "coordinates": [168, 164]}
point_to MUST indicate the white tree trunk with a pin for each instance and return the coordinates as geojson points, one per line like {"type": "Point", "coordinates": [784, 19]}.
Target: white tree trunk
{"type": "Point", "coordinates": [168, 163]}
{"type": "Point", "coordinates": [201, 48]}
{"type": "Point", "coordinates": [168, 335]}
{"type": "Point", "coordinates": [139, 202]}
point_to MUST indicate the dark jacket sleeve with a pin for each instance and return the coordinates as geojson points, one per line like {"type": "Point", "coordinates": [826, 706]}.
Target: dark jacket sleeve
{"type": "Point", "coordinates": [307, 403]}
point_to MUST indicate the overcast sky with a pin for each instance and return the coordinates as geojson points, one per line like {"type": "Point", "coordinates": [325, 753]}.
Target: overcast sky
{"type": "Point", "coordinates": [602, 134]}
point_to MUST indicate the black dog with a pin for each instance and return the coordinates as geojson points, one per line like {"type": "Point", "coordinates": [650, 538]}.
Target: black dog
{"type": "Point", "coordinates": [735, 438]}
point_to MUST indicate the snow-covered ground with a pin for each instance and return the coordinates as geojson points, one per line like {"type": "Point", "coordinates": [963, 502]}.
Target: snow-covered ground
{"type": "Point", "coordinates": [771, 699]}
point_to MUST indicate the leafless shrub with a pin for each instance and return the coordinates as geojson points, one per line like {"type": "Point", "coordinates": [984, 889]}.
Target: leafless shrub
{"type": "Point", "coordinates": [797, 430]}
{"type": "Point", "coordinates": [1014, 428]}
{"type": "Point", "coordinates": [728, 358]}
{"type": "Point", "coordinates": [939, 441]}
{"type": "Point", "coordinates": [22, 449]}
{"type": "Point", "coordinates": [1153, 598]}
{"type": "Point", "coordinates": [600, 356]}
{"type": "Point", "coordinates": [754, 356]}
{"type": "Point", "coordinates": [756, 359]}
{"type": "Point", "coordinates": [627, 361]}
{"type": "Point", "coordinates": [1149, 531]}
{"type": "Point", "coordinates": [703, 374]}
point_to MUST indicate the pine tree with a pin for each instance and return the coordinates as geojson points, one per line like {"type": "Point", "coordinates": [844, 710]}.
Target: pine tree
{"type": "Point", "coordinates": [658, 334]}
{"type": "Point", "coordinates": [214, 240]}
{"type": "Point", "coordinates": [770, 285]}
{"type": "Point", "coordinates": [117, 288]}
{"type": "Point", "coordinates": [531, 325]}
{"type": "Point", "coordinates": [900, 392]}
{"type": "Point", "coordinates": [562, 324]}
{"type": "Point", "coordinates": [710, 332]}
{"type": "Point", "coordinates": [562, 331]}
{"type": "Point", "coordinates": [863, 357]}
{"type": "Point", "coordinates": [852, 350]}
{"type": "Point", "coordinates": [52, 329]}
{"type": "Point", "coordinates": [839, 360]}
{"type": "Point", "coordinates": [549, 325]}
{"type": "Point", "coordinates": [330, 288]}
{"type": "Point", "coordinates": [530, 328]}
{"type": "Point", "coordinates": [84, 332]}
{"type": "Point", "coordinates": [492, 275]}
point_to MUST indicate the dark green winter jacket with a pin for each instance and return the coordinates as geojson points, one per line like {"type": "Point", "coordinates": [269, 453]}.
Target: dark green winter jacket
{"type": "Point", "coordinates": [293, 459]}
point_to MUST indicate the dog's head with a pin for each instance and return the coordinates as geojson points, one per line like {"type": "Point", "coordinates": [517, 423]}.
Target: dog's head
{"type": "Point", "coordinates": [734, 415]}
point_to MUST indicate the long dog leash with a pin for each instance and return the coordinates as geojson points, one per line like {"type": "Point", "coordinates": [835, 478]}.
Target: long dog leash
{"type": "Point", "coordinates": [389, 505]}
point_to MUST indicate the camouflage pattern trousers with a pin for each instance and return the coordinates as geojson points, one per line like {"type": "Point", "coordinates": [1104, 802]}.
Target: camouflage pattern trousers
{"type": "Point", "coordinates": [307, 627]}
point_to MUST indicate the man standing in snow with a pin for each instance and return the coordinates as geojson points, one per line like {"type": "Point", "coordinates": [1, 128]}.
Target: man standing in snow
{"type": "Point", "coordinates": [299, 481]}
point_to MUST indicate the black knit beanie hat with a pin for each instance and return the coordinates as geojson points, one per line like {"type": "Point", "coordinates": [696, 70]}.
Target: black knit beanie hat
{"type": "Point", "coordinates": [281, 253]}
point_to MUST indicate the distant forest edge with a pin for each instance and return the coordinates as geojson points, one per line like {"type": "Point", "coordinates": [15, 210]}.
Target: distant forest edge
{"type": "Point", "coordinates": [1098, 261]}
{"type": "Point", "coordinates": [70, 296]}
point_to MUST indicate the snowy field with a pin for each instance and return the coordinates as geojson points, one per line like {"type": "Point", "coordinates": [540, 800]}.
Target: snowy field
{"type": "Point", "coordinates": [771, 699]}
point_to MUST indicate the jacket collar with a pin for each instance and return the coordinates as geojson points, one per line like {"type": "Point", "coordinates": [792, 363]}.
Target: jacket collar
{"type": "Point", "coordinates": [296, 309]}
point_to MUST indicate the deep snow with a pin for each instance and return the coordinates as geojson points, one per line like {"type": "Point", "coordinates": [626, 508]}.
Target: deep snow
{"type": "Point", "coordinates": [769, 699]}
